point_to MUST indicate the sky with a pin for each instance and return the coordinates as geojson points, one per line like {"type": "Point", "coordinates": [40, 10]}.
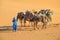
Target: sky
{"type": "Point", "coordinates": [10, 8]}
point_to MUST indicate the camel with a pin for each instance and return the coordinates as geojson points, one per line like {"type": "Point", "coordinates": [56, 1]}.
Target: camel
{"type": "Point", "coordinates": [42, 16]}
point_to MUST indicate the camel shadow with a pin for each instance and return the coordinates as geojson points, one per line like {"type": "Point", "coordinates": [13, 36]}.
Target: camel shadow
{"type": "Point", "coordinates": [9, 28]}
{"type": "Point", "coordinates": [23, 28]}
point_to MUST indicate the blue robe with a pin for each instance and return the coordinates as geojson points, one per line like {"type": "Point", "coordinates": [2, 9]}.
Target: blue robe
{"type": "Point", "coordinates": [15, 24]}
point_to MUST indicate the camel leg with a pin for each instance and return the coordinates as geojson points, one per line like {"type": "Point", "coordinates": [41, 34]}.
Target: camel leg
{"type": "Point", "coordinates": [21, 23]}
{"type": "Point", "coordinates": [29, 23]}
{"type": "Point", "coordinates": [44, 25]}
{"type": "Point", "coordinates": [24, 23]}
{"type": "Point", "coordinates": [34, 25]}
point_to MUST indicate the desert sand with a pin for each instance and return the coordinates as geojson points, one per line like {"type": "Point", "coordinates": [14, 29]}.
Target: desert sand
{"type": "Point", "coordinates": [52, 32]}
{"type": "Point", "coordinates": [10, 8]}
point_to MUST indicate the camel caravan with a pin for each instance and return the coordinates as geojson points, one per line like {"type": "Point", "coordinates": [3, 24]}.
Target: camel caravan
{"type": "Point", "coordinates": [43, 16]}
